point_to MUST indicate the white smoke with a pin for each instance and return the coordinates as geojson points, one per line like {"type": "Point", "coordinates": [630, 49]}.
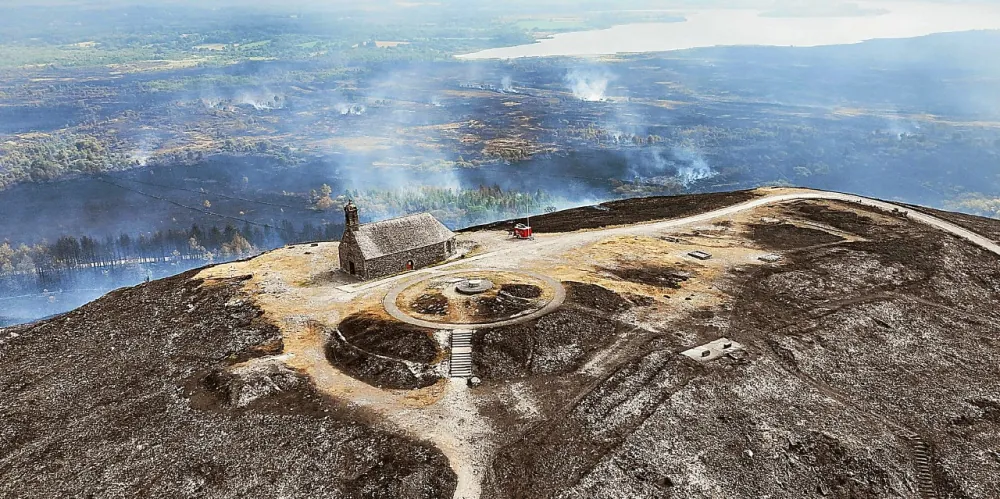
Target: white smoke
{"type": "Point", "coordinates": [212, 102]}
{"type": "Point", "coordinates": [261, 100]}
{"type": "Point", "coordinates": [902, 129]}
{"type": "Point", "coordinates": [696, 167]}
{"type": "Point", "coordinates": [507, 85]}
{"type": "Point", "coordinates": [143, 151]}
{"type": "Point", "coordinates": [589, 85]}
{"type": "Point", "coordinates": [683, 165]}
{"type": "Point", "coordinates": [351, 109]}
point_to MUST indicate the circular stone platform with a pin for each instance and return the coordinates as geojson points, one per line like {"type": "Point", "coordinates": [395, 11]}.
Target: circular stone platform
{"type": "Point", "coordinates": [474, 286]}
{"type": "Point", "coordinates": [446, 284]}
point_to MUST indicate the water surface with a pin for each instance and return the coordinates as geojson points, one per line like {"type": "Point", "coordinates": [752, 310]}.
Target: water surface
{"type": "Point", "coordinates": [729, 27]}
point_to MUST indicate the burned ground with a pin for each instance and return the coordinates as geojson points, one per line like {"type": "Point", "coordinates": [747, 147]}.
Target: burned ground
{"type": "Point", "coordinates": [558, 343]}
{"type": "Point", "coordinates": [528, 291]}
{"type": "Point", "coordinates": [651, 275]}
{"type": "Point", "coordinates": [902, 329]}
{"type": "Point", "coordinates": [496, 307]}
{"type": "Point", "coordinates": [595, 297]}
{"type": "Point", "coordinates": [389, 338]}
{"type": "Point", "coordinates": [626, 212]}
{"type": "Point", "coordinates": [96, 403]}
{"type": "Point", "coordinates": [431, 304]}
{"type": "Point", "coordinates": [987, 227]}
{"type": "Point", "coordinates": [845, 220]}
{"type": "Point", "coordinates": [862, 359]}
{"type": "Point", "coordinates": [376, 370]}
{"type": "Point", "coordinates": [788, 236]}
{"type": "Point", "coordinates": [383, 352]}
{"type": "Point", "coordinates": [857, 356]}
{"type": "Point", "coordinates": [665, 426]}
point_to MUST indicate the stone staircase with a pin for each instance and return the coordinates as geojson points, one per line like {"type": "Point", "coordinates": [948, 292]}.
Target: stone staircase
{"type": "Point", "coordinates": [461, 353]}
{"type": "Point", "coordinates": [923, 455]}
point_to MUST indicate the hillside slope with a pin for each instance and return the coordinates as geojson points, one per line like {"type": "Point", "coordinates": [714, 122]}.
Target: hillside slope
{"type": "Point", "coordinates": [864, 349]}
{"type": "Point", "coordinates": [163, 390]}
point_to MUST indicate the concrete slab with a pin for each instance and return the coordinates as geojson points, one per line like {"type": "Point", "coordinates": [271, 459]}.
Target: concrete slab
{"type": "Point", "coordinates": [713, 350]}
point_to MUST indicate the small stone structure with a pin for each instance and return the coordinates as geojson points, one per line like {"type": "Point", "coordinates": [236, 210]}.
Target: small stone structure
{"type": "Point", "coordinates": [380, 249]}
{"type": "Point", "coordinates": [713, 350]}
{"type": "Point", "coordinates": [474, 286]}
{"type": "Point", "coordinates": [701, 255]}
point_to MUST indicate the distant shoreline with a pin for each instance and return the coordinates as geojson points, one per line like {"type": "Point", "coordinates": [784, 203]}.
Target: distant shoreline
{"type": "Point", "coordinates": [741, 27]}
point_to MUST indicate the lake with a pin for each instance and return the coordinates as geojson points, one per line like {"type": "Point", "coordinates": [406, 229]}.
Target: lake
{"type": "Point", "coordinates": [730, 27]}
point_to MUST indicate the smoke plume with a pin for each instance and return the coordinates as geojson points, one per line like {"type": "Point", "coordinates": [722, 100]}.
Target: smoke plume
{"type": "Point", "coordinates": [507, 85]}
{"type": "Point", "coordinates": [589, 85]}
{"type": "Point", "coordinates": [693, 166]}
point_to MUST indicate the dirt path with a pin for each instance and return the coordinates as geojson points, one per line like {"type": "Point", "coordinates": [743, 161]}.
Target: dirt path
{"type": "Point", "coordinates": [549, 243]}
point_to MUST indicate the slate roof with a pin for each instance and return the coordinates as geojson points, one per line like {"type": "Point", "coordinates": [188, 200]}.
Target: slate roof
{"type": "Point", "coordinates": [400, 234]}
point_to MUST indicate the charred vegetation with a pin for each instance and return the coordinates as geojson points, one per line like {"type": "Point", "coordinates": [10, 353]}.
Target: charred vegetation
{"type": "Point", "coordinates": [523, 291]}
{"type": "Point", "coordinates": [431, 304]}
{"type": "Point", "coordinates": [988, 227]}
{"type": "Point", "coordinates": [389, 338]}
{"type": "Point", "coordinates": [897, 306]}
{"type": "Point", "coordinates": [592, 296]}
{"type": "Point", "coordinates": [377, 370]}
{"type": "Point", "coordinates": [651, 275]}
{"type": "Point", "coordinates": [789, 236]}
{"type": "Point", "coordinates": [626, 212]}
{"type": "Point", "coordinates": [498, 306]}
{"type": "Point", "coordinates": [558, 343]}
{"type": "Point", "coordinates": [382, 352]}
{"type": "Point", "coordinates": [180, 399]}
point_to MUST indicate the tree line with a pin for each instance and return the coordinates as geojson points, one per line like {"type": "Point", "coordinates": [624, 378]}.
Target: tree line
{"type": "Point", "coordinates": [455, 208]}
{"type": "Point", "coordinates": [197, 243]}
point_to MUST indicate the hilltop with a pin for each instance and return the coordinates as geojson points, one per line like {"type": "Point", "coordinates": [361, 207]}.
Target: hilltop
{"type": "Point", "coordinates": [830, 346]}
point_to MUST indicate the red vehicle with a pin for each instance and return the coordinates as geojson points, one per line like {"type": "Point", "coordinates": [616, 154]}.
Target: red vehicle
{"type": "Point", "coordinates": [521, 231]}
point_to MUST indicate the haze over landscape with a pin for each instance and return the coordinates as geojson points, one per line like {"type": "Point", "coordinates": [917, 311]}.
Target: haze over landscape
{"type": "Point", "coordinates": [136, 120]}
{"type": "Point", "coordinates": [479, 249]}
